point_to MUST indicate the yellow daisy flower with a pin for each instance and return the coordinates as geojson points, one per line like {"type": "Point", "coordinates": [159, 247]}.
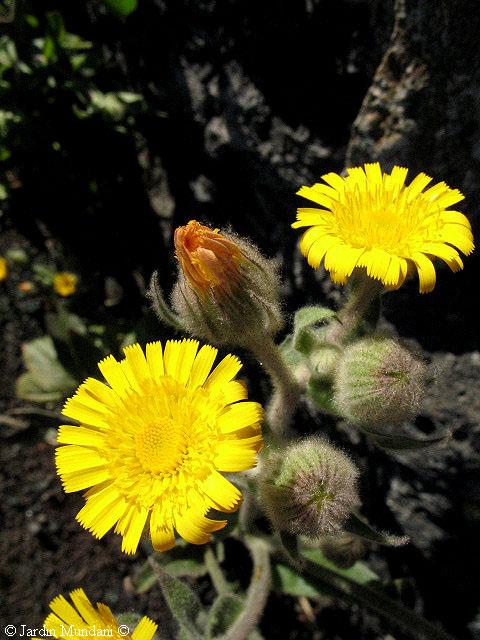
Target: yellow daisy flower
{"type": "Point", "coordinates": [152, 443]}
{"type": "Point", "coordinates": [3, 268]}
{"type": "Point", "coordinates": [370, 219]}
{"type": "Point", "coordinates": [82, 619]}
{"type": "Point", "coordinates": [65, 283]}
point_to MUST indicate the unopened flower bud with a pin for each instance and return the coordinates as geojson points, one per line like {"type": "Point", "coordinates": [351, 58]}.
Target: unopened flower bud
{"type": "Point", "coordinates": [378, 382]}
{"type": "Point", "coordinates": [343, 550]}
{"type": "Point", "coordinates": [227, 292]}
{"type": "Point", "coordinates": [310, 488]}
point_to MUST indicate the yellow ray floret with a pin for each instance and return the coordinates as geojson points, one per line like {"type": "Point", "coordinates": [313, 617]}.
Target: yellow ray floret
{"type": "Point", "coordinates": [152, 442]}
{"type": "Point", "coordinates": [372, 220]}
{"type": "Point", "coordinates": [82, 619]}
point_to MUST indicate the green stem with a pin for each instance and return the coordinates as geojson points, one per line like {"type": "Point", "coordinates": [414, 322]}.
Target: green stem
{"type": "Point", "coordinates": [215, 571]}
{"type": "Point", "coordinates": [362, 295]}
{"type": "Point", "coordinates": [390, 610]}
{"type": "Point", "coordinates": [257, 594]}
{"type": "Point", "coordinates": [286, 390]}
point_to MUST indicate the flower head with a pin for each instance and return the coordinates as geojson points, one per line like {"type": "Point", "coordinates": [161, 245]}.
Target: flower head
{"type": "Point", "coordinates": [227, 292]}
{"type": "Point", "coordinates": [371, 220]}
{"type": "Point", "coordinates": [310, 488]}
{"type": "Point", "coordinates": [83, 619]}
{"type": "Point", "coordinates": [151, 444]}
{"type": "Point", "coordinates": [3, 268]}
{"type": "Point", "coordinates": [65, 283]}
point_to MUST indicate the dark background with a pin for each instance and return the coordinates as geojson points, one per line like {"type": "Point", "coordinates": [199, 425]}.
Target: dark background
{"type": "Point", "coordinates": [237, 104]}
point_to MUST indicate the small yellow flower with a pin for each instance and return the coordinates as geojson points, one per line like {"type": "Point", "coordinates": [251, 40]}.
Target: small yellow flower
{"type": "Point", "coordinates": [150, 445]}
{"type": "Point", "coordinates": [209, 259]}
{"type": "Point", "coordinates": [371, 220]}
{"type": "Point", "coordinates": [3, 269]}
{"type": "Point", "coordinates": [65, 283]}
{"type": "Point", "coordinates": [84, 620]}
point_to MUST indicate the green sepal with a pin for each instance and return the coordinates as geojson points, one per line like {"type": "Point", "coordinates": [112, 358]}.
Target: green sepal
{"type": "Point", "coordinates": [360, 527]}
{"type": "Point", "coordinates": [405, 443]}
{"type": "Point", "coordinates": [160, 306]}
{"type": "Point", "coordinates": [306, 319]}
{"type": "Point", "coordinates": [320, 391]}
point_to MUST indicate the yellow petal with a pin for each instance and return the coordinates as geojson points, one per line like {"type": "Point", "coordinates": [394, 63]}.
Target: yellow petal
{"type": "Point", "coordinates": [240, 415]}
{"type": "Point", "coordinates": [223, 494]}
{"type": "Point", "coordinates": [155, 360]}
{"type": "Point", "coordinates": [426, 272]}
{"type": "Point", "coordinates": [225, 371]}
{"type": "Point", "coordinates": [145, 629]}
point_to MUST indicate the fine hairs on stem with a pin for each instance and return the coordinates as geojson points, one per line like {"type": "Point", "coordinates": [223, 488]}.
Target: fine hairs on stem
{"type": "Point", "coordinates": [257, 594]}
{"type": "Point", "coordinates": [286, 389]}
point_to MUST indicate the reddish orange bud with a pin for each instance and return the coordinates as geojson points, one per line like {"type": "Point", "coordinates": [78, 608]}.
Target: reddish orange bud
{"type": "Point", "coordinates": [227, 292]}
{"type": "Point", "coordinates": [209, 260]}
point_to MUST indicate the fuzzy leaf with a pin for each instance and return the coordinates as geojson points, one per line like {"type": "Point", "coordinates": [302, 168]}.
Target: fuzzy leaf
{"type": "Point", "coordinates": [144, 578]}
{"type": "Point", "coordinates": [288, 581]}
{"type": "Point", "coordinates": [304, 339]}
{"type": "Point", "coordinates": [45, 375]}
{"type": "Point", "coordinates": [360, 527]}
{"type": "Point", "coordinates": [359, 572]}
{"type": "Point", "coordinates": [183, 603]}
{"type": "Point", "coordinates": [223, 614]}
{"type": "Point", "coordinates": [405, 443]}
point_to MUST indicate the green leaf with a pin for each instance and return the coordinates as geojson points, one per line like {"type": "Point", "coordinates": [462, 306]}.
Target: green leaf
{"type": "Point", "coordinates": [304, 338]}
{"type": "Point", "coordinates": [183, 603]}
{"type": "Point", "coordinates": [360, 527]}
{"type": "Point", "coordinates": [122, 8]}
{"type": "Point", "coordinates": [359, 572]}
{"type": "Point", "coordinates": [46, 379]}
{"type": "Point", "coordinates": [223, 613]}
{"type": "Point", "coordinates": [400, 442]}
{"type": "Point", "coordinates": [144, 578]}
{"type": "Point", "coordinates": [287, 580]}
{"type": "Point", "coordinates": [27, 389]}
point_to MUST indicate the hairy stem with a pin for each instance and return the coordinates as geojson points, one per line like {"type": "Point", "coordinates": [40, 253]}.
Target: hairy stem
{"type": "Point", "coordinates": [257, 594]}
{"type": "Point", "coordinates": [215, 571]}
{"type": "Point", "coordinates": [286, 389]}
{"type": "Point", "coordinates": [357, 306]}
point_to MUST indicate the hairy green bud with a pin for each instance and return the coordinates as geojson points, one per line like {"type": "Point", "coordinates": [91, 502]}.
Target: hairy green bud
{"type": "Point", "coordinates": [378, 382]}
{"type": "Point", "coordinates": [227, 292]}
{"type": "Point", "coordinates": [310, 488]}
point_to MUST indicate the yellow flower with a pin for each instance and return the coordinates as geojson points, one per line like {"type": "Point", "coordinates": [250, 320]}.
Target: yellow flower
{"type": "Point", "coordinates": [65, 283]}
{"type": "Point", "coordinates": [3, 269]}
{"type": "Point", "coordinates": [82, 619]}
{"type": "Point", "coordinates": [151, 444]}
{"type": "Point", "coordinates": [370, 219]}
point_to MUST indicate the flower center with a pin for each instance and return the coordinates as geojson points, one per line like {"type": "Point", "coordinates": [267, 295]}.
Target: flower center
{"type": "Point", "coordinates": [161, 446]}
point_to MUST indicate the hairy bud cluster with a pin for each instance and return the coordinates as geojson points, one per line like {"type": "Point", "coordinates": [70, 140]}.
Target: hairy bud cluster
{"type": "Point", "coordinates": [378, 382]}
{"type": "Point", "coordinates": [227, 292]}
{"type": "Point", "coordinates": [310, 488]}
